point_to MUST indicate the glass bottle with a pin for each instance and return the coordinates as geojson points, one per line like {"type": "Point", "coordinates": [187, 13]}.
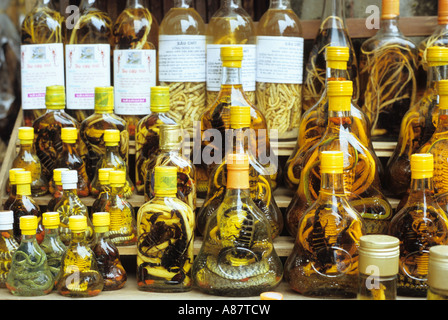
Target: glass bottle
{"type": "Point", "coordinates": [122, 230]}
{"type": "Point", "coordinates": [332, 32]}
{"type": "Point", "coordinates": [112, 159]}
{"type": "Point", "coordinates": [165, 238]}
{"type": "Point", "coordinates": [387, 65]}
{"type": "Point", "coordinates": [231, 25]}
{"type": "Point", "coordinates": [437, 273]}
{"type": "Point", "coordinates": [107, 254]}
{"type": "Point", "coordinates": [324, 261]}
{"type": "Point", "coordinates": [12, 188]}
{"type": "Point", "coordinates": [171, 144]}
{"type": "Point", "coordinates": [57, 189]}
{"type": "Point", "coordinates": [419, 225]}
{"type": "Point", "coordinates": [147, 136]}
{"type": "Point", "coordinates": [279, 79]}
{"type": "Point", "coordinates": [136, 40]}
{"type": "Point", "coordinates": [70, 159]}
{"type": "Point", "coordinates": [28, 160]}
{"type": "Point", "coordinates": [417, 126]}
{"type": "Point", "coordinates": [361, 176]}
{"type": "Point", "coordinates": [29, 274]}
{"type": "Point", "coordinates": [80, 275]}
{"type": "Point", "coordinates": [52, 244]}
{"type": "Point", "coordinates": [182, 62]}
{"type": "Point", "coordinates": [104, 195]}
{"type": "Point", "coordinates": [314, 121]}
{"type": "Point", "coordinates": [88, 56]}
{"type": "Point", "coordinates": [378, 267]}
{"type": "Point", "coordinates": [237, 256]}
{"type": "Point", "coordinates": [8, 245]}
{"type": "Point", "coordinates": [92, 130]}
{"type": "Point", "coordinates": [47, 129]}
{"type": "Point", "coordinates": [259, 179]}
{"type": "Point", "coordinates": [71, 205]}
{"type": "Point", "coordinates": [42, 57]}
{"type": "Point", "coordinates": [25, 205]}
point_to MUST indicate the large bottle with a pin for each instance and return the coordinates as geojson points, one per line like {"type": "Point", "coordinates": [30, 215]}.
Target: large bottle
{"type": "Point", "coordinates": [135, 35]}
{"type": "Point", "coordinates": [12, 188]}
{"type": "Point", "coordinates": [182, 61]}
{"type": "Point", "coordinates": [324, 261]}
{"type": "Point", "coordinates": [56, 189]}
{"type": "Point", "coordinates": [387, 68]}
{"type": "Point", "coordinates": [104, 195]}
{"type": "Point", "coordinates": [8, 244]}
{"type": "Point", "coordinates": [280, 68]}
{"type": "Point", "coordinates": [42, 57]}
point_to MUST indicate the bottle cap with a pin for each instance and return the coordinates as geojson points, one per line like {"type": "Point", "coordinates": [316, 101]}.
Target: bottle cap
{"type": "Point", "coordinates": [112, 137]}
{"type": "Point", "coordinates": [160, 99]}
{"type": "Point", "coordinates": [438, 267]}
{"type": "Point", "coordinates": [240, 117]}
{"type": "Point", "coordinates": [232, 56]}
{"type": "Point", "coordinates": [379, 254]}
{"type": "Point", "coordinates": [332, 162]}
{"type": "Point", "coordinates": [337, 57]}
{"type": "Point", "coordinates": [50, 220]}
{"type": "Point", "coordinates": [117, 177]}
{"type": "Point", "coordinates": [422, 166]}
{"type": "Point", "coordinates": [437, 56]}
{"type": "Point", "coordinates": [6, 220]}
{"type": "Point", "coordinates": [77, 223]}
{"type": "Point", "coordinates": [442, 88]}
{"type": "Point", "coordinates": [165, 181]}
{"type": "Point", "coordinates": [55, 97]}
{"type": "Point", "coordinates": [238, 171]}
{"type": "Point", "coordinates": [69, 179]}
{"type": "Point", "coordinates": [23, 177]}
{"type": "Point", "coordinates": [103, 175]}
{"type": "Point", "coordinates": [104, 99]}
{"type": "Point", "coordinates": [12, 174]}
{"type": "Point", "coordinates": [26, 135]}
{"type": "Point", "coordinates": [69, 135]}
{"type": "Point", "coordinates": [57, 175]}
{"type": "Point", "coordinates": [28, 225]}
{"type": "Point", "coordinates": [340, 95]}
{"type": "Point", "coordinates": [170, 136]}
{"type": "Point", "coordinates": [101, 219]}
{"type": "Point", "coordinates": [391, 9]}
{"type": "Point", "coordinates": [271, 296]}
{"type": "Point", "coordinates": [443, 12]}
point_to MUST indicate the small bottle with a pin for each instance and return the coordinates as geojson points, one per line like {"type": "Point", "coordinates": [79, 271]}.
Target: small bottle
{"type": "Point", "coordinates": [104, 195]}
{"type": "Point", "coordinates": [12, 188]}
{"type": "Point", "coordinates": [80, 275]}
{"type": "Point", "coordinates": [378, 267]}
{"type": "Point", "coordinates": [27, 159]}
{"type": "Point", "coordinates": [8, 245]}
{"type": "Point", "coordinates": [438, 273]}
{"type": "Point", "coordinates": [107, 255]}
{"type": "Point", "coordinates": [52, 244]}
{"type": "Point", "coordinates": [29, 274]}
{"type": "Point", "coordinates": [56, 188]}
{"type": "Point", "coordinates": [165, 256]}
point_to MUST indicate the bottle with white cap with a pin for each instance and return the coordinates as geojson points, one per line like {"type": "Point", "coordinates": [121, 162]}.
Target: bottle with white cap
{"type": "Point", "coordinates": [8, 245]}
{"type": "Point", "coordinates": [438, 273]}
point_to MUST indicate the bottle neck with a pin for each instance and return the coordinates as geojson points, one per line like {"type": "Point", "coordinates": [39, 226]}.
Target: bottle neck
{"type": "Point", "coordinates": [442, 125]}
{"type": "Point", "coordinates": [101, 233]}
{"type": "Point", "coordinates": [333, 9]}
{"type": "Point", "coordinates": [26, 148]}
{"type": "Point", "coordinates": [240, 141]}
{"type": "Point", "coordinates": [280, 4]}
{"type": "Point", "coordinates": [231, 76]}
{"type": "Point", "coordinates": [113, 149]}
{"type": "Point", "coordinates": [390, 26]}
{"type": "Point", "coordinates": [421, 189]}
{"type": "Point", "coordinates": [87, 4]}
{"type": "Point", "coordinates": [78, 237]}
{"type": "Point", "coordinates": [69, 148]}
{"type": "Point", "coordinates": [70, 192]}
{"type": "Point", "coordinates": [135, 4]}
{"type": "Point", "coordinates": [185, 4]}
{"type": "Point", "coordinates": [116, 190]}
{"type": "Point", "coordinates": [28, 238]}
{"type": "Point", "coordinates": [231, 4]}
{"type": "Point", "coordinates": [337, 74]}
{"type": "Point", "coordinates": [51, 232]}
{"type": "Point", "coordinates": [332, 184]}
{"type": "Point", "coordinates": [43, 3]}
{"type": "Point", "coordinates": [435, 74]}
{"type": "Point", "coordinates": [339, 120]}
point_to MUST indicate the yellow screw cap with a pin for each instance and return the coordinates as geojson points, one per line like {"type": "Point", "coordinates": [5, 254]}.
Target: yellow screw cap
{"type": "Point", "coordinates": [117, 177]}
{"type": "Point", "coordinates": [101, 219]}
{"type": "Point", "coordinates": [57, 175]}
{"type": "Point", "coordinates": [23, 177]}
{"type": "Point", "coordinates": [77, 223]}
{"type": "Point", "coordinates": [340, 95]}
{"type": "Point", "coordinates": [69, 135]}
{"type": "Point", "coordinates": [422, 166]}
{"type": "Point", "coordinates": [111, 137]}
{"type": "Point", "coordinates": [103, 174]}
{"type": "Point", "coordinates": [165, 180]}
{"type": "Point", "coordinates": [104, 99]}
{"type": "Point", "coordinates": [55, 97]}
{"type": "Point", "coordinates": [337, 57]}
{"type": "Point", "coordinates": [437, 56]}
{"type": "Point", "coordinates": [240, 117]}
{"type": "Point", "coordinates": [28, 225]}
{"type": "Point", "coordinates": [160, 99]}
{"type": "Point", "coordinates": [442, 87]}
{"type": "Point", "coordinates": [12, 174]}
{"type": "Point", "coordinates": [50, 220]}
{"type": "Point", "coordinates": [271, 296]}
{"type": "Point", "coordinates": [232, 56]}
{"type": "Point", "coordinates": [332, 162]}
{"type": "Point", "coordinates": [26, 135]}
{"type": "Point", "coordinates": [391, 9]}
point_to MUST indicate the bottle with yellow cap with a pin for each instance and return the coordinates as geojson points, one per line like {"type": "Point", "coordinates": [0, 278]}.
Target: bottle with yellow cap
{"type": "Point", "coordinates": [28, 160]}
{"type": "Point", "coordinates": [314, 121]}
{"type": "Point", "coordinates": [165, 227]}
{"type": "Point", "coordinates": [29, 274]}
{"type": "Point", "coordinates": [92, 130]}
{"type": "Point", "coordinates": [112, 159]}
{"type": "Point", "coordinates": [70, 159]}
{"type": "Point", "coordinates": [332, 32]}
{"type": "Point", "coordinates": [387, 71]}
{"type": "Point", "coordinates": [419, 225]}
{"type": "Point", "coordinates": [80, 276]}
{"type": "Point", "coordinates": [237, 256]}
{"type": "Point", "coordinates": [56, 188]}
{"type": "Point", "coordinates": [104, 195]}
{"type": "Point", "coordinates": [8, 244]}
{"type": "Point", "coordinates": [324, 261]}
{"type": "Point", "coordinates": [147, 136]}
{"type": "Point", "coordinates": [106, 254]}
{"type": "Point", "coordinates": [378, 267]}
{"type": "Point", "coordinates": [438, 273]}
{"type": "Point", "coordinates": [171, 145]}
{"type": "Point", "coordinates": [417, 126]}
{"type": "Point", "coordinates": [260, 180]}
{"type": "Point", "coordinates": [52, 244]}
{"type": "Point", "coordinates": [12, 188]}
{"type": "Point", "coordinates": [361, 174]}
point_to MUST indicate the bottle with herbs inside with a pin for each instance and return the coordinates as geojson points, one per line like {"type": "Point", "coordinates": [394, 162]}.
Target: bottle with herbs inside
{"type": "Point", "coordinates": [56, 189]}
{"type": "Point", "coordinates": [12, 188]}
{"type": "Point", "coordinates": [104, 195]}
{"type": "Point", "coordinates": [8, 245]}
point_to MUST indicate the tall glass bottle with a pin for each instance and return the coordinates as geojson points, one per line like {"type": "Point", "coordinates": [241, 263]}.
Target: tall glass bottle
{"type": "Point", "coordinates": [12, 188]}
{"type": "Point", "coordinates": [104, 195]}
{"type": "Point", "coordinates": [92, 130]}
{"type": "Point", "coordinates": [88, 55]}
{"type": "Point", "coordinates": [417, 126]}
{"type": "Point", "coordinates": [388, 64]}
{"type": "Point", "coordinates": [324, 261]}
{"type": "Point", "coordinates": [52, 244]}
{"type": "Point", "coordinates": [237, 256]}
{"type": "Point", "coordinates": [135, 34]}
{"type": "Point", "coordinates": [57, 189]}
{"type": "Point", "coordinates": [28, 160]}
{"type": "Point", "coordinates": [280, 68]}
{"type": "Point", "coordinates": [80, 275]}
{"type": "Point", "coordinates": [332, 32]}
{"type": "Point", "coordinates": [8, 245]}
{"type": "Point", "coordinates": [182, 62]}
{"type": "Point", "coordinates": [437, 273]}
{"type": "Point", "coordinates": [164, 255]}
{"type": "Point", "coordinates": [231, 25]}
{"type": "Point", "coordinates": [42, 57]}
{"type": "Point", "coordinates": [420, 225]}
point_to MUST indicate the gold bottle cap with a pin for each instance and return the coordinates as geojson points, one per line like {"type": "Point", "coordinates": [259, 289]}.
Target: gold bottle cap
{"type": "Point", "coordinates": [240, 117]}
{"type": "Point", "coordinates": [117, 178]}
{"type": "Point", "coordinates": [437, 56]}
{"type": "Point", "coordinates": [23, 177]}
{"type": "Point", "coordinates": [337, 57]}
{"type": "Point", "coordinates": [443, 12]}
{"type": "Point", "coordinates": [238, 171]}
{"type": "Point", "coordinates": [332, 162]}
{"type": "Point", "coordinates": [57, 175]}
{"type": "Point", "coordinates": [26, 135]}
{"type": "Point", "coordinates": [12, 174]}
{"type": "Point", "coordinates": [55, 97]}
{"type": "Point", "coordinates": [112, 137]}
{"type": "Point", "coordinates": [422, 166]}
{"type": "Point", "coordinates": [442, 88]}
{"type": "Point", "coordinates": [165, 181]}
{"type": "Point", "coordinates": [101, 219]}
{"type": "Point", "coordinates": [28, 225]}
{"type": "Point", "coordinates": [103, 175]}
{"type": "Point", "coordinates": [170, 136]}
{"type": "Point", "coordinates": [51, 220]}
{"type": "Point", "coordinates": [438, 267]}
{"type": "Point", "coordinates": [379, 255]}
{"type": "Point", "coordinates": [104, 99]}
{"type": "Point", "coordinates": [271, 296]}
{"type": "Point", "coordinates": [339, 95]}
{"type": "Point", "coordinates": [232, 56]}
{"type": "Point", "coordinates": [77, 223]}
{"type": "Point", "coordinates": [391, 9]}
{"type": "Point", "coordinates": [69, 135]}
{"type": "Point", "coordinates": [160, 99]}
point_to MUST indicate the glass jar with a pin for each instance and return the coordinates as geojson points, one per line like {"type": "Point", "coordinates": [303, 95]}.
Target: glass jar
{"type": "Point", "coordinates": [52, 244]}
{"type": "Point", "coordinates": [8, 245]}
